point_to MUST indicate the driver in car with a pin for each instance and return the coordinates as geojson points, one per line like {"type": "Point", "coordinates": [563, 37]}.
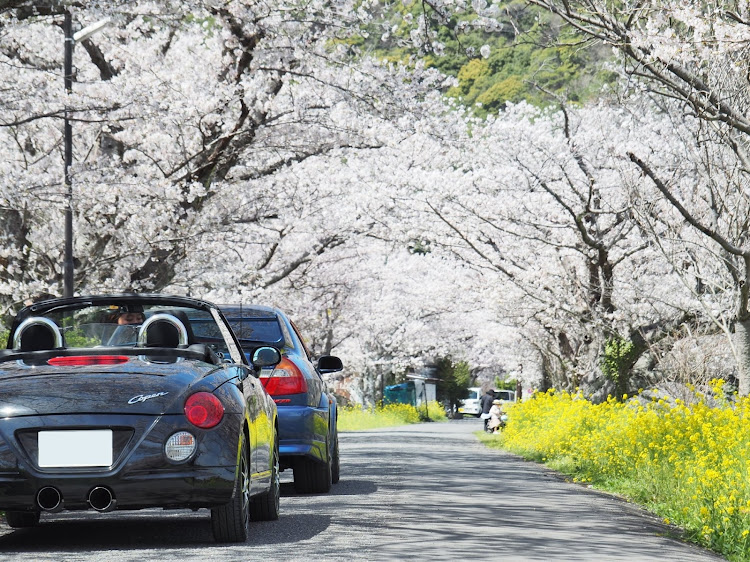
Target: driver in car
{"type": "Point", "coordinates": [128, 316]}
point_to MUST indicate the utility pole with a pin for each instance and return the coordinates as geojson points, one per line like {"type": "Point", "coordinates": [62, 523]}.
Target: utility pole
{"type": "Point", "coordinates": [68, 142]}
{"type": "Point", "coordinates": [70, 41]}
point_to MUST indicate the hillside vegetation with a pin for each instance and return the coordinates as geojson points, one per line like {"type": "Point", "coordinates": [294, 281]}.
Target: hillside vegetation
{"type": "Point", "coordinates": [532, 57]}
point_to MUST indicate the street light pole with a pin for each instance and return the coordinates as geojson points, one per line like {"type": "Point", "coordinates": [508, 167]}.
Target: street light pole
{"type": "Point", "coordinates": [68, 141]}
{"type": "Point", "coordinates": [70, 41]}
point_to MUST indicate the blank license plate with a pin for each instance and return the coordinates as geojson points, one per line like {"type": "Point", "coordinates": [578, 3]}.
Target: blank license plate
{"type": "Point", "coordinates": [70, 448]}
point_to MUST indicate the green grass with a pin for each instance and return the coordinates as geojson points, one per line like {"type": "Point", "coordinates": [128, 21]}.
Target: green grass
{"type": "Point", "coordinates": [358, 419]}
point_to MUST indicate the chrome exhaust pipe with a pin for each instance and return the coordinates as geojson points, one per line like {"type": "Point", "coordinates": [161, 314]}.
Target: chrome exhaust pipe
{"type": "Point", "coordinates": [102, 499]}
{"type": "Point", "coordinates": [50, 499]}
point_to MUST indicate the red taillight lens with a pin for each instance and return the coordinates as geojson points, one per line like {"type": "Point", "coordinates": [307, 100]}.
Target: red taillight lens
{"type": "Point", "coordinates": [83, 360]}
{"type": "Point", "coordinates": [204, 410]}
{"type": "Point", "coordinates": [286, 378]}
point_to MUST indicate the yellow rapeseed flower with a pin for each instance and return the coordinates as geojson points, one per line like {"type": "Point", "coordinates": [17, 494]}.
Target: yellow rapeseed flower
{"type": "Point", "coordinates": [688, 457]}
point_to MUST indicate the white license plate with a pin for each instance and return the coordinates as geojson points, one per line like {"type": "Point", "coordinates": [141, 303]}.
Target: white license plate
{"type": "Point", "coordinates": [71, 448]}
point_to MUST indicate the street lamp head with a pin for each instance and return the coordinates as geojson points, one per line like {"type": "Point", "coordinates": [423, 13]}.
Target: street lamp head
{"type": "Point", "coordinates": [88, 31]}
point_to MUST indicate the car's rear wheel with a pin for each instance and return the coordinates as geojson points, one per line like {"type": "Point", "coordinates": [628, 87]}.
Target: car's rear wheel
{"type": "Point", "coordinates": [266, 506]}
{"type": "Point", "coordinates": [335, 464]}
{"type": "Point", "coordinates": [19, 519]}
{"type": "Point", "coordinates": [313, 477]}
{"type": "Point", "coordinates": [230, 522]}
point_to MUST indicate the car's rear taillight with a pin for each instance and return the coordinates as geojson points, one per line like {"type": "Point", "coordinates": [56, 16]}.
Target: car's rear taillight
{"type": "Point", "coordinates": [286, 378]}
{"type": "Point", "coordinates": [204, 410]}
{"type": "Point", "coordinates": [83, 360]}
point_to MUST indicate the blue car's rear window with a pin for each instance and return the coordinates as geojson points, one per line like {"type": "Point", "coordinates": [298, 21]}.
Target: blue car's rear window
{"type": "Point", "coordinates": [261, 330]}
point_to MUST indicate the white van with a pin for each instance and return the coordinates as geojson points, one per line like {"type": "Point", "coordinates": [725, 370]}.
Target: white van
{"type": "Point", "coordinates": [505, 396]}
{"type": "Point", "coordinates": [470, 405]}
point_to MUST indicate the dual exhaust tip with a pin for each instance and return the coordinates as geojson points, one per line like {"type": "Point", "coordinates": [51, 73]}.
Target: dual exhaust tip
{"type": "Point", "coordinates": [100, 498]}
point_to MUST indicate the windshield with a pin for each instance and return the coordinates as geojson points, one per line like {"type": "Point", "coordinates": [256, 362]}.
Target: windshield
{"type": "Point", "coordinates": [261, 330]}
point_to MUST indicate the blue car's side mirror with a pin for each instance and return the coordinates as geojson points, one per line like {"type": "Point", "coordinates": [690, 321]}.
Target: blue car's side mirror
{"type": "Point", "coordinates": [266, 357]}
{"type": "Point", "coordinates": [329, 364]}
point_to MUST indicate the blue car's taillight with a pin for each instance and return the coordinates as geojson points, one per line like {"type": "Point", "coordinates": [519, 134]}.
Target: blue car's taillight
{"type": "Point", "coordinates": [286, 378]}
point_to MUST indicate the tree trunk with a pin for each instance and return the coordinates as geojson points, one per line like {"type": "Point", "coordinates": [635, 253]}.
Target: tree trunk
{"type": "Point", "coordinates": [742, 347]}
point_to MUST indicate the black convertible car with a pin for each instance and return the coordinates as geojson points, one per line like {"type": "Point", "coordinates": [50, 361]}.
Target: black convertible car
{"type": "Point", "coordinates": [131, 402]}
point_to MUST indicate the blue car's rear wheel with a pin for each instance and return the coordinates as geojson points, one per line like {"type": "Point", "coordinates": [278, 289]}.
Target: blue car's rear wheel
{"type": "Point", "coordinates": [313, 477]}
{"type": "Point", "coordinates": [230, 522]}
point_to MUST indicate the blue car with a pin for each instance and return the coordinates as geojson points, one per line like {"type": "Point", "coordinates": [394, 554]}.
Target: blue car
{"type": "Point", "coordinates": [307, 413]}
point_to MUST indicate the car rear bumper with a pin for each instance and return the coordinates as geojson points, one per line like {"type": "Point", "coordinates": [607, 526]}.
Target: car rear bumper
{"type": "Point", "coordinates": [302, 433]}
{"type": "Point", "coordinates": [470, 410]}
{"type": "Point", "coordinates": [140, 475]}
{"type": "Point", "coordinates": [193, 488]}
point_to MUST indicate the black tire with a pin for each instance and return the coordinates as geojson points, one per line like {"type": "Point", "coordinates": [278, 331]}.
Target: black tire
{"type": "Point", "coordinates": [230, 522]}
{"type": "Point", "coordinates": [266, 506]}
{"type": "Point", "coordinates": [20, 519]}
{"type": "Point", "coordinates": [335, 464]}
{"type": "Point", "coordinates": [312, 477]}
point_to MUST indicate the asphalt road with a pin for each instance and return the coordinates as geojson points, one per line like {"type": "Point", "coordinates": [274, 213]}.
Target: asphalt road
{"type": "Point", "coordinates": [424, 492]}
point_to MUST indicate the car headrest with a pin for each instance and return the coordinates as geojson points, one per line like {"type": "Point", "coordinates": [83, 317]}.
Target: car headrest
{"type": "Point", "coordinates": [37, 334]}
{"type": "Point", "coordinates": [162, 330]}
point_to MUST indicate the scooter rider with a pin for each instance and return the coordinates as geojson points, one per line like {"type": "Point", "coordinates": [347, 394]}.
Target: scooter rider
{"type": "Point", "coordinates": [486, 402]}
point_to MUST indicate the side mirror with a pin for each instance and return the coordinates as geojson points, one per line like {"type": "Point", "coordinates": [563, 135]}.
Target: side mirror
{"type": "Point", "coordinates": [329, 364]}
{"type": "Point", "coordinates": [266, 357]}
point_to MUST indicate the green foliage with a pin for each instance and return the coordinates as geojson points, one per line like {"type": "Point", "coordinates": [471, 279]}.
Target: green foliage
{"type": "Point", "coordinates": [208, 24]}
{"type": "Point", "coordinates": [505, 384]}
{"type": "Point", "coordinates": [536, 68]}
{"type": "Point", "coordinates": [455, 380]}
{"type": "Point", "coordinates": [76, 338]}
{"type": "Point", "coordinates": [532, 57]}
{"type": "Point", "coordinates": [619, 356]}
{"type": "Point", "coordinates": [4, 338]}
{"type": "Point", "coordinates": [420, 247]}
{"type": "Point", "coordinates": [493, 98]}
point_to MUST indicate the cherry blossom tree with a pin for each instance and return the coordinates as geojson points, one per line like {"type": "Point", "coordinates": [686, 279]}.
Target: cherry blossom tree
{"type": "Point", "coordinates": [210, 159]}
{"type": "Point", "coordinates": [694, 53]}
{"type": "Point", "coordinates": [539, 204]}
{"type": "Point", "coordinates": [181, 113]}
{"type": "Point", "coordinates": [210, 149]}
{"type": "Point", "coordinates": [691, 199]}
